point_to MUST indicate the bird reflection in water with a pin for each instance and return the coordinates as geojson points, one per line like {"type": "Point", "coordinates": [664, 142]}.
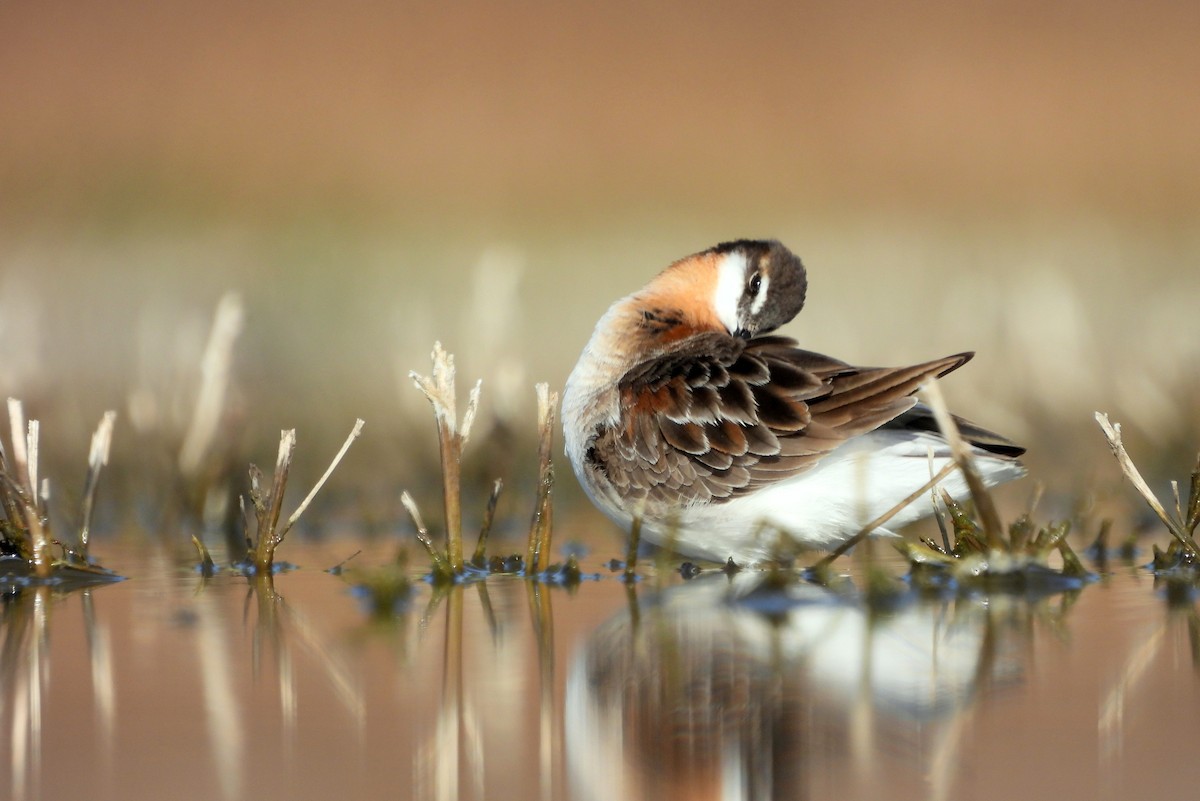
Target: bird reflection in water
{"type": "Point", "coordinates": [722, 688]}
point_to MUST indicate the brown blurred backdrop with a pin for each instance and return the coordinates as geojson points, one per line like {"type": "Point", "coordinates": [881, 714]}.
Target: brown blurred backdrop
{"type": "Point", "coordinates": [1020, 178]}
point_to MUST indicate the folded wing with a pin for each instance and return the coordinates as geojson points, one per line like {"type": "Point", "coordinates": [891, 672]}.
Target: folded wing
{"type": "Point", "coordinates": [715, 417]}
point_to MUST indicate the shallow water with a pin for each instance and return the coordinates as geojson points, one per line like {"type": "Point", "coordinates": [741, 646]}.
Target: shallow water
{"type": "Point", "coordinates": [169, 685]}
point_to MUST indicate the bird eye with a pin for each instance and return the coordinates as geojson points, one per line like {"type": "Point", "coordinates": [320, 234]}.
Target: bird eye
{"type": "Point", "coordinates": [754, 285]}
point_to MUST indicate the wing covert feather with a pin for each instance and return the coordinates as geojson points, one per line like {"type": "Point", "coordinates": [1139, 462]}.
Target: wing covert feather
{"type": "Point", "coordinates": [714, 417]}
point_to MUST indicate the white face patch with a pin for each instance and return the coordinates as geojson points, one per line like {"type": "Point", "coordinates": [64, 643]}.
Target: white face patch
{"type": "Point", "coordinates": [761, 297]}
{"type": "Point", "coordinates": [731, 272]}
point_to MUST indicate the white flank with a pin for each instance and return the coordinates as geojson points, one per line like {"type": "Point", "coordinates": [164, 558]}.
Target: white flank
{"type": "Point", "coordinates": [823, 506]}
{"type": "Point", "coordinates": [730, 273]}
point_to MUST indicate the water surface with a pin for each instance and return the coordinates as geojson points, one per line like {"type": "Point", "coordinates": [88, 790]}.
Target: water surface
{"type": "Point", "coordinates": [170, 685]}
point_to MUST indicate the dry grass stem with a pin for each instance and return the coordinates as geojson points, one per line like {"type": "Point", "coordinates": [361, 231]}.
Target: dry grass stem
{"type": "Point", "coordinates": [439, 562]}
{"type": "Point", "coordinates": [993, 529]}
{"type": "Point", "coordinates": [439, 389]}
{"type": "Point", "coordinates": [1035, 498]}
{"type": "Point", "coordinates": [25, 452]}
{"type": "Point", "coordinates": [207, 565]}
{"type": "Point", "coordinates": [26, 530]}
{"type": "Point", "coordinates": [32, 449]}
{"type": "Point", "coordinates": [480, 556]}
{"type": "Point", "coordinates": [1193, 512]}
{"type": "Point", "coordinates": [16, 419]}
{"type": "Point", "coordinates": [540, 529]}
{"type": "Point", "coordinates": [97, 459]}
{"type": "Point", "coordinates": [939, 514]}
{"type": "Point", "coordinates": [268, 509]}
{"type": "Point", "coordinates": [1183, 527]}
{"type": "Point", "coordinates": [469, 415]}
{"type": "Point", "coordinates": [42, 560]}
{"type": "Point", "coordinates": [215, 369]}
{"type": "Point", "coordinates": [9, 492]}
{"type": "Point", "coordinates": [283, 466]}
{"type": "Point", "coordinates": [354, 434]}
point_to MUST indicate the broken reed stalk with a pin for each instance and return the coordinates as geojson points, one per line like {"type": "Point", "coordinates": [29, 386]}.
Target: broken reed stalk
{"type": "Point", "coordinates": [215, 369]}
{"type": "Point", "coordinates": [439, 389]}
{"type": "Point", "coordinates": [883, 518]}
{"type": "Point", "coordinates": [25, 502]}
{"type": "Point", "coordinates": [33, 453]}
{"type": "Point", "coordinates": [268, 510]}
{"type": "Point", "coordinates": [440, 566]}
{"type": "Point", "coordinates": [16, 420]}
{"type": "Point", "coordinates": [207, 565]}
{"type": "Point", "coordinates": [540, 528]}
{"type": "Point", "coordinates": [1193, 514]}
{"type": "Point", "coordinates": [25, 452]}
{"type": "Point", "coordinates": [8, 496]}
{"type": "Point", "coordinates": [97, 458]}
{"type": "Point", "coordinates": [1182, 529]}
{"type": "Point", "coordinates": [989, 518]}
{"type": "Point", "coordinates": [480, 556]}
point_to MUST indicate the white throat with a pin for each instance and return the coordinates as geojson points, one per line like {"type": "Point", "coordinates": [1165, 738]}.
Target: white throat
{"type": "Point", "coordinates": [730, 274]}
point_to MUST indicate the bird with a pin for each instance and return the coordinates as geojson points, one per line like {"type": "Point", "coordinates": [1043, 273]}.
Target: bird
{"type": "Point", "coordinates": [727, 441]}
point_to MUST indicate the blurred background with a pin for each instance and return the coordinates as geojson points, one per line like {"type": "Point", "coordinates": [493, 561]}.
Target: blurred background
{"type": "Point", "coordinates": [1017, 178]}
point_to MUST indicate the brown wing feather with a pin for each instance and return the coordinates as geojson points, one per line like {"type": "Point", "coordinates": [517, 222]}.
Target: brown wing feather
{"type": "Point", "coordinates": [715, 416]}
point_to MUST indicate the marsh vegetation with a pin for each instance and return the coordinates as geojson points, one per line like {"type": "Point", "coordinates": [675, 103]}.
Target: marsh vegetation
{"type": "Point", "coordinates": [220, 222]}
